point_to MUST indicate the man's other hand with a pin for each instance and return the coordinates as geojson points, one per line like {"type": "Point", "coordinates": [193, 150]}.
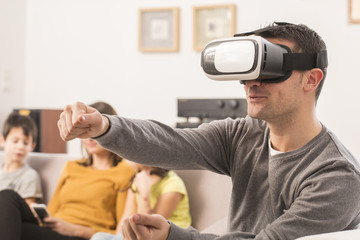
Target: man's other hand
{"type": "Point", "coordinates": [145, 227]}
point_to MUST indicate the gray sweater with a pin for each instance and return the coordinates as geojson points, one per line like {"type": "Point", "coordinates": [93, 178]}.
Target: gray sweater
{"type": "Point", "coordinates": [311, 190]}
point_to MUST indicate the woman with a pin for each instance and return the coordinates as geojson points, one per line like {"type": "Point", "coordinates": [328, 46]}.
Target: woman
{"type": "Point", "coordinates": [90, 197]}
{"type": "Point", "coordinates": [156, 191]}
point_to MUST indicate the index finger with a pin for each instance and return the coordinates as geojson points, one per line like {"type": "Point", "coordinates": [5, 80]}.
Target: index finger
{"type": "Point", "coordinates": [127, 231]}
{"type": "Point", "coordinates": [150, 220]}
{"type": "Point", "coordinates": [68, 128]}
{"type": "Point", "coordinates": [140, 231]}
{"type": "Point", "coordinates": [78, 111]}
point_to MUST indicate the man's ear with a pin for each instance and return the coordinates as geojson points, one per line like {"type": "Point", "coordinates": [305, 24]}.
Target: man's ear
{"type": "Point", "coordinates": [313, 78]}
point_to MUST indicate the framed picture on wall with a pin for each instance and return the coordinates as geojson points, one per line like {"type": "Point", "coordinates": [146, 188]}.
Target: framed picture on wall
{"type": "Point", "coordinates": [354, 11]}
{"type": "Point", "coordinates": [159, 30]}
{"type": "Point", "coordinates": [212, 22]}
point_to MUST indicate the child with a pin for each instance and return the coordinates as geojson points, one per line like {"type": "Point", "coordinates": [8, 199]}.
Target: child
{"type": "Point", "coordinates": [17, 140]}
{"type": "Point", "coordinates": [156, 191]}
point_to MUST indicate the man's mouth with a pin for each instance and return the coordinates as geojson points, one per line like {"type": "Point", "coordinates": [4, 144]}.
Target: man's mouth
{"type": "Point", "coordinates": [256, 98]}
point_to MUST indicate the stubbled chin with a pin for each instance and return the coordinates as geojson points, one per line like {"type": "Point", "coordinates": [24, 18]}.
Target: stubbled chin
{"type": "Point", "coordinates": [254, 116]}
{"type": "Point", "coordinates": [254, 112]}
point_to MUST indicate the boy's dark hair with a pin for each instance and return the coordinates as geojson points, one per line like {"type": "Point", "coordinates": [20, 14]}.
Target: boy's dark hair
{"type": "Point", "coordinates": [27, 124]}
{"type": "Point", "coordinates": [306, 40]}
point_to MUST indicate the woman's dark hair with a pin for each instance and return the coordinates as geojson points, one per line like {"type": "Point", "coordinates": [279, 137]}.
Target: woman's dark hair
{"type": "Point", "coordinates": [103, 108]}
{"type": "Point", "coordinates": [26, 123]}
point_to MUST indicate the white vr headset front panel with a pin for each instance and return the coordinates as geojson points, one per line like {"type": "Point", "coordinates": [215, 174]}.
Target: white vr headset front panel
{"type": "Point", "coordinates": [230, 58]}
{"type": "Point", "coordinates": [243, 58]}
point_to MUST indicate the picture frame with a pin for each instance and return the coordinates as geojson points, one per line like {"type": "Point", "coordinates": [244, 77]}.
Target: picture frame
{"type": "Point", "coordinates": [354, 11]}
{"type": "Point", "coordinates": [212, 22]}
{"type": "Point", "coordinates": [159, 30]}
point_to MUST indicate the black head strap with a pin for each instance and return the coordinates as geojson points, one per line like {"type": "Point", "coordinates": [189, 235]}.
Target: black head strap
{"type": "Point", "coordinates": [292, 61]}
{"type": "Point", "coordinates": [305, 61]}
{"type": "Point", "coordinates": [298, 61]}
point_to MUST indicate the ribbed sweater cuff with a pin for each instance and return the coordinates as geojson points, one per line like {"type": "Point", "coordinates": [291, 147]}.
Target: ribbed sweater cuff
{"type": "Point", "coordinates": [177, 232]}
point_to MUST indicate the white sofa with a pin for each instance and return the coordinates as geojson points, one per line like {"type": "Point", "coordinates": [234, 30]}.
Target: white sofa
{"type": "Point", "coordinates": [209, 193]}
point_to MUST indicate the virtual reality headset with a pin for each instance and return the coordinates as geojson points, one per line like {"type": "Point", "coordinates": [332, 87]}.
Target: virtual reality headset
{"type": "Point", "coordinates": [253, 57]}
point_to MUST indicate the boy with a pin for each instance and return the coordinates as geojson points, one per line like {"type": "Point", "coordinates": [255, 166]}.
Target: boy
{"type": "Point", "coordinates": [17, 140]}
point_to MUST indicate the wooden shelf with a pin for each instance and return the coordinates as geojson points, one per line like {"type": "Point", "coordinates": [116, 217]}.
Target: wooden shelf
{"type": "Point", "coordinates": [49, 140]}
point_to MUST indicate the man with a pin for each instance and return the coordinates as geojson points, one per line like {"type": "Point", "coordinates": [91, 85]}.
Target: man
{"type": "Point", "coordinates": [291, 176]}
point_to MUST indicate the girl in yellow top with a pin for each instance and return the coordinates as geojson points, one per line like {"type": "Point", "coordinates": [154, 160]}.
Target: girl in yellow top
{"type": "Point", "coordinates": [157, 191]}
{"type": "Point", "coordinates": [90, 197]}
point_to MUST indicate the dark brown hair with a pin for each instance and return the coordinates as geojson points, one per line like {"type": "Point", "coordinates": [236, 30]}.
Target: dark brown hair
{"type": "Point", "coordinates": [26, 123]}
{"type": "Point", "coordinates": [103, 108]}
{"type": "Point", "coordinates": [305, 39]}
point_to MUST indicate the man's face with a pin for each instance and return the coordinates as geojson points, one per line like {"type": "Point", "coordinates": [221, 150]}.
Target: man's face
{"type": "Point", "coordinates": [275, 101]}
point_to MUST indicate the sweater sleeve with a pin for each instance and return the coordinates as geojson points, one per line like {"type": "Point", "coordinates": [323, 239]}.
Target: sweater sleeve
{"type": "Point", "coordinates": [122, 194]}
{"type": "Point", "coordinates": [191, 233]}
{"type": "Point", "coordinates": [155, 144]}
